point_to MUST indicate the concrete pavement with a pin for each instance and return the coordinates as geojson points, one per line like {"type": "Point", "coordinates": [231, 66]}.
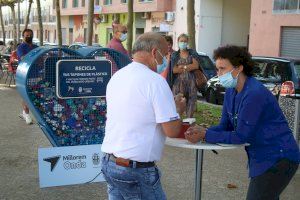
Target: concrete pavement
{"type": "Point", "coordinates": [19, 144]}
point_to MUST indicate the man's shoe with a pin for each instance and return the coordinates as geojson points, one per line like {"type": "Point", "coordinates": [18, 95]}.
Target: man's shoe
{"type": "Point", "coordinates": [27, 118]}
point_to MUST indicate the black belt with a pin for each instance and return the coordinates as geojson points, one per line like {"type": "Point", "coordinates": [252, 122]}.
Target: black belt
{"type": "Point", "coordinates": [129, 163]}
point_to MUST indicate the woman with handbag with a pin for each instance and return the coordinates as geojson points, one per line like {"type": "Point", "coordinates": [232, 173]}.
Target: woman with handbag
{"type": "Point", "coordinates": [183, 64]}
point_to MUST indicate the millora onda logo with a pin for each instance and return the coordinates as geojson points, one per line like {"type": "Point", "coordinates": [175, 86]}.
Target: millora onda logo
{"type": "Point", "coordinates": [53, 161]}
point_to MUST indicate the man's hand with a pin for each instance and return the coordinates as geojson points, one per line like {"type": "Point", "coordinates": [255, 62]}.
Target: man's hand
{"type": "Point", "coordinates": [180, 103]}
{"type": "Point", "coordinates": [195, 134]}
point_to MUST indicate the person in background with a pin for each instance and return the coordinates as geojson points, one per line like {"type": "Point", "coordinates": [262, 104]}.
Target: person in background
{"type": "Point", "coordinates": [13, 61]}
{"type": "Point", "coordinates": [183, 63]}
{"type": "Point", "coordinates": [138, 123]}
{"type": "Point", "coordinates": [9, 48]}
{"type": "Point", "coordinates": [25, 47]}
{"type": "Point", "coordinates": [169, 40]}
{"type": "Point", "coordinates": [2, 47]}
{"type": "Point", "coordinates": [251, 114]}
{"type": "Point", "coordinates": [119, 36]}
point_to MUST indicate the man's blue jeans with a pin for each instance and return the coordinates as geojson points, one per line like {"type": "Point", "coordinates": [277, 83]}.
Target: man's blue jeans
{"type": "Point", "coordinates": [124, 183]}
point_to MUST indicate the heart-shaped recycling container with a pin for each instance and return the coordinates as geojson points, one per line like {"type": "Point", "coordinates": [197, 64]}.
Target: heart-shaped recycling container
{"type": "Point", "coordinates": [65, 121]}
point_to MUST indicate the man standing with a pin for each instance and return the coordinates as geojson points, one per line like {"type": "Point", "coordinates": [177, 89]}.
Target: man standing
{"type": "Point", "coordinates": [22, 50]}
{"type": "Point", "coordinates": [119, 36]}
{"type": "Point", "coordinates": [138, 122]}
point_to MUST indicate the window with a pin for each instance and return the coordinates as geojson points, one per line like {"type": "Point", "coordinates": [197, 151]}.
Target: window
{"type": "Point", "coordinates": [97, 2]}
{"type": "Point", "coordinates": [64, 4]}
{"type": "Point", "coordinates": [145, 0]}
{"type": "Point", "coordinates": [123, 1]}
{"type": "Point", "coordinates": [107, 2]}
{"type": "Point", "coordinates": [82, 3]}
{"type": "Point", "coordinates": [75, 3]}
{"type": "Point", "coordinates": [297, 67]}
{"type": "Point", "coordinates": [272, 71]}
{"type": "Point", "coordinates": [286, 6]}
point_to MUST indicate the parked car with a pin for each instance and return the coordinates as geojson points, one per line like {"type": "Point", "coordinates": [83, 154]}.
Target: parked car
{"type": "Point", "coordinates": [76, 46]}
{"type": "Point", "coordinates": [271, 71]}
{"type": "Point", "coordinates": [207, 65]}
{"type": "Point", "coordinates": [208, 68]}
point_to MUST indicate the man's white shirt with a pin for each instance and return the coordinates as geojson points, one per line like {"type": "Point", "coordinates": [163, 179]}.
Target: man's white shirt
{"type": "Point", "coordinates": [138, 100]}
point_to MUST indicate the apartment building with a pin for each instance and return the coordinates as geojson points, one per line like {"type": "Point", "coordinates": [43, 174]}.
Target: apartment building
{"type": "Point", "coordinates": [49, 20]}
{"type": "Point", "coordinates": [149, 15]}
{"type": "Point", "coordinates": [275, 28]}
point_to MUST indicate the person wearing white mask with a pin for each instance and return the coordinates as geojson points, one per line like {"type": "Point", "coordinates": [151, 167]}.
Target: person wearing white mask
{"type": "Point", "coordinates": [182, 78]}
{"type": "Point", "coordinates": [141, 112]}
{"type": "Point", "coordinates": [251, 115]}
{"type": "Point", "coordinates": [119, 36]}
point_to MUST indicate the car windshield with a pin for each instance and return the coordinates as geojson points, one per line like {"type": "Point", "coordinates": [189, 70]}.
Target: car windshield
{"type": "Point", "coordinates": [272, 71]}
{"type": "Point", "coordinates": [297, 68]}
{"type": "Point", "coordinates": [206, 63]}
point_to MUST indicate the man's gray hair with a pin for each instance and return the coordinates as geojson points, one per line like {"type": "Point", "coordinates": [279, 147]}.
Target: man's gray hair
{"type": "Point", "coordinates": [147, 42]}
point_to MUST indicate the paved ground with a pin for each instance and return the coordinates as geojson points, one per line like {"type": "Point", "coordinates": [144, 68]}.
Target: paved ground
{"type": "Point", "coordinates": [19, 173]}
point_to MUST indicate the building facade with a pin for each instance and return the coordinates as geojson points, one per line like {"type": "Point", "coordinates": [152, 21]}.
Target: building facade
{"type": "Point", "coordinates": [275, 28]}
{"type": "Point", "coordinates": [49, 20]}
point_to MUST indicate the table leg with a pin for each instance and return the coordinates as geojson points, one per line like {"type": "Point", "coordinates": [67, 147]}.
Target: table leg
{"type": "Point", "coordinates": [198, 181]}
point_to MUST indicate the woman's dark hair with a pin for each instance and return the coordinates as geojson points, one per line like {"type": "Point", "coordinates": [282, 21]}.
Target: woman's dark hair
{"type": "Point", "coordinates": [237, 56]}
{"type": "Point", "coordinates": [27, 30]}
{"type": "Point", "coordinates": [169, 39]}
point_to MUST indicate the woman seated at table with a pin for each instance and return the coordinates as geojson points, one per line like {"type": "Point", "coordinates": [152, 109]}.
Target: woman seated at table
{"type": "Point", "coordinates": [251, 114]}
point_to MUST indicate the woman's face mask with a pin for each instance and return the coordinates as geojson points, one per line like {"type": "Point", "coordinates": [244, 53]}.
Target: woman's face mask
{"type": "Point", "coordinates": [228, 81]}
{"type": "Point", "coordinates": [182, 45]}
{"type": "Point", "coordinates": [161, 67]}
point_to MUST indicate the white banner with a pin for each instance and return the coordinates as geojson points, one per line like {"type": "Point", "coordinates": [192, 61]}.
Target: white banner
{"type": "Point", "coordinates": [69, 165]}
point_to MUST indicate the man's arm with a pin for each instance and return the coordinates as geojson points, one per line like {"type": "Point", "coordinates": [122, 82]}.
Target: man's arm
{"type": "Point", "coordinates": [172, 129]}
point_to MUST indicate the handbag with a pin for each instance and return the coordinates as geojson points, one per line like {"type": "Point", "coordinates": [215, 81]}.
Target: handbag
{"type": "Point", "coordinates": [200, 79]}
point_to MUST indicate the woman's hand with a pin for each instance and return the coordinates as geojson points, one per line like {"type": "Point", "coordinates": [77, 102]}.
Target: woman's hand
{"type": "Point", "coordinates": [195, 134]}
{"type": "Point", "coordinates": [178, 69]}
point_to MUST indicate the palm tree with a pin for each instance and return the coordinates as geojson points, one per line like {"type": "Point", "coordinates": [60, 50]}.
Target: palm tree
{"type": "Point", "coordinates": [191, 23]}
{"type": "Point", "coordinates": [12, 7]}
{"type": "Point", "coordinates": [58, 23]}
{"type": "Point", "coordinates": [2, 24]}
{"type": "Point", "coordinates": [90, 22]}
{"type": "Point", "coordinates": [28, 14]}
{"type": "Point", "coordinates": [38, 4]}
{"type": "Point", "coordinates": [129, 26]}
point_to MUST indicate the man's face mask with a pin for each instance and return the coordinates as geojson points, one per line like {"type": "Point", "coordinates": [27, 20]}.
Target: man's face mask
{"type": "Point", "coordinates": [161, 67]}
{"type": "Point", "coordinates": [28, 39]}
{"type": "Point", "coordinates": [123, 37]}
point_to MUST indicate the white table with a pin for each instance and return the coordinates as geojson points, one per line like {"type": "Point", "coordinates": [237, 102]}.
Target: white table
{"type": "Point", "coordinates": [199, 147]}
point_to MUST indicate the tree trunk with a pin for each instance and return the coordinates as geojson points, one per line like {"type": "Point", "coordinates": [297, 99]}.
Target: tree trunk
{"type": "Point", "coordinates": [90, 18]}
{"type": "Point", "coordinates": [58, 23]}
{"type": "Point", "coordinates": [41, 31]}
{"type": "Point", "coordinates": [19, 18]}
{"type": "Point", "coordinates": [130, 26]}
{"type": "Point", "coordinates": [12, 7]}
{"type": "Point", "coordinates": [28, 14]}
{"type": "Point", "coordinates": [191, 23]}
{"type": "Point", "coordinates": [2, 24]}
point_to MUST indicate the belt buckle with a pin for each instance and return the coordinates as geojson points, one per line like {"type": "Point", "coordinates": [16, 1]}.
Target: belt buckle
{"type": "Point", "coordinates": [123, 162]}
